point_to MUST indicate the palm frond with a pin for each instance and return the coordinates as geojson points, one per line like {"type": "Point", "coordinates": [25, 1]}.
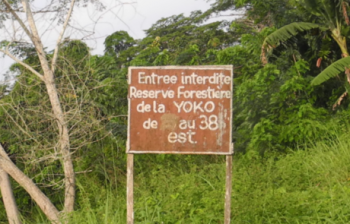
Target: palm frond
{"type": "Point", "coordinates": [327, 11]}
{"type": "Point", "coordinates": [332, 71]}
{"type": "Point", "coordinates": [283, 34]}
{"type": "Point", "coordinates": [288, 31]}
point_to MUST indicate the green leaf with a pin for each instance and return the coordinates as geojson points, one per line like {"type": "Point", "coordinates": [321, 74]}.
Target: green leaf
{"type": "Point", "coordinates": [332, 71]}
{"type": "Point", "coordinates": [287, 32]}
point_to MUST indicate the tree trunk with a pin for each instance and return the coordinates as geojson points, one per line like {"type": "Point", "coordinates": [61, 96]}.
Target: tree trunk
{"type": "Point", "coordinates": [36, 194]}
{"type": "Point", "coordinates": [341, 41]}
{"type": "Point", "coordinates": [64, 144]}
{"type": "Point", "coordinates": [12, 213]}
{"type": "Point", "coordinates": [63, 138]}
{"type": "Point", "coordinates": [48, 78]}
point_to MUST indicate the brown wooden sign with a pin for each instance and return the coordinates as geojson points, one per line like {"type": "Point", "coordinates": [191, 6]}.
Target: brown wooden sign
{"type": "Point", "coordinates": [180, 109]}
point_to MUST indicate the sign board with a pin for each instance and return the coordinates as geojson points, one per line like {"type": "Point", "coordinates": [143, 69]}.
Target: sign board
{"type": "Point", "coordinates": [180, 110]}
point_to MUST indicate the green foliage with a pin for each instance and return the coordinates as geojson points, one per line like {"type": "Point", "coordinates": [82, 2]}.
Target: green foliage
{"type": "Point", "coordinates": [163, 58]}
{"type": "Point", "coordinates": [286, 33]}
{"type": "Point", "coordinates": [305, 186]}
{"type": "Point", "coordinates": [275, 109]}
{"type": "Point", "coordinates": [327, 12]}
{"type": "Point", "coordinates": [332, 71]}
{"type": "Point", "coordinates": [267, 12]}
{"type": "Point", "coordinates": [189, 56]}
{"type": "Point", "coordinates": [331, 17]}
{"type": "Point", "coordinates": [93, 95]}
{"type": "Point", "coordinates": [119, 45]}
{"type": "Point", "coordinates": [117, 42]}
{"type": "Point", "coordinates": [176, 40]}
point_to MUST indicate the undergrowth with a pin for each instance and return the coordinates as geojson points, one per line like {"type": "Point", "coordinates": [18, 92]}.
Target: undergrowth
{"type": "Point", "coordinates": [304, 186]}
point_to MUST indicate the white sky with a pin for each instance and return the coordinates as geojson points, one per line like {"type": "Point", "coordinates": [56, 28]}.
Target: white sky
{"type": "Point", "coordinates": [133, 17]}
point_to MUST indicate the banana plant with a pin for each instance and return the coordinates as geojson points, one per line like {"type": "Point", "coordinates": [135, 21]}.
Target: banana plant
{"type": "Point", "coordinates": [332, 17]}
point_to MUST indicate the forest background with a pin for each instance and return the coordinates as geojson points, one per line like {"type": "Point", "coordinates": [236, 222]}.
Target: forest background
{"type": "Point", "coordinates": [290, 127]}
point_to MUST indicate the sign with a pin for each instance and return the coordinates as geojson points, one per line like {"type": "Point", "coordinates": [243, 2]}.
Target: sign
{"type": "Point", "coordinates": [180, 110]}
{"type": "Point", "coordinates": [183, 110]}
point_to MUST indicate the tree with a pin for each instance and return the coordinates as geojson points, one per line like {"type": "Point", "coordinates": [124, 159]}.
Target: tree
{"type": "Point", "coordinates": [259, 13]}
{"type": "Point", "coordinates": [8, 198]}
{"type": "Point", "coordinates": [47, 76]}
{"type": "Point", "coordinates": [21, 13]}
{"type": "Point", "coordinates": [331, 18]}
{"type": "Point", "coordinates": [275, 106]}
{"type": "Point", "coordinates": [117, 43]}
{"type": "Point", "coordinates": [177, 40]}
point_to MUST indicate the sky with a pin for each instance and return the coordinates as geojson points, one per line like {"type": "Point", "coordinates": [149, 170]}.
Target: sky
{"type": "Point", "coordinates": [132, 16]}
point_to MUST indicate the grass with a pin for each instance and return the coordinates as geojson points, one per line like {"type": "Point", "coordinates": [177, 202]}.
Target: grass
{"type": "Point", "coordinates": [305, 186]}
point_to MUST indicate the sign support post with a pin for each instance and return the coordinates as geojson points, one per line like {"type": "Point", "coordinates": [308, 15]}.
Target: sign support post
{"type": "Point", "coordinates": [228, 189]}
{"type": "Point", "coordinates": [130, 189]}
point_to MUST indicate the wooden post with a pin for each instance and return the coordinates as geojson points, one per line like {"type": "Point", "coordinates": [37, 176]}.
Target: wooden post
{"type": "Point", "coordinates": [130, 189]}
{"type": "Point", "coordinates": [228, 189]}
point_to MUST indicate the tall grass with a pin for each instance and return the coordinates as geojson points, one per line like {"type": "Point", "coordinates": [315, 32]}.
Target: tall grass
{"type": "Point", "coordinates": [304, 186]}
{"type": "Point", "coordinates": [311, 186]}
